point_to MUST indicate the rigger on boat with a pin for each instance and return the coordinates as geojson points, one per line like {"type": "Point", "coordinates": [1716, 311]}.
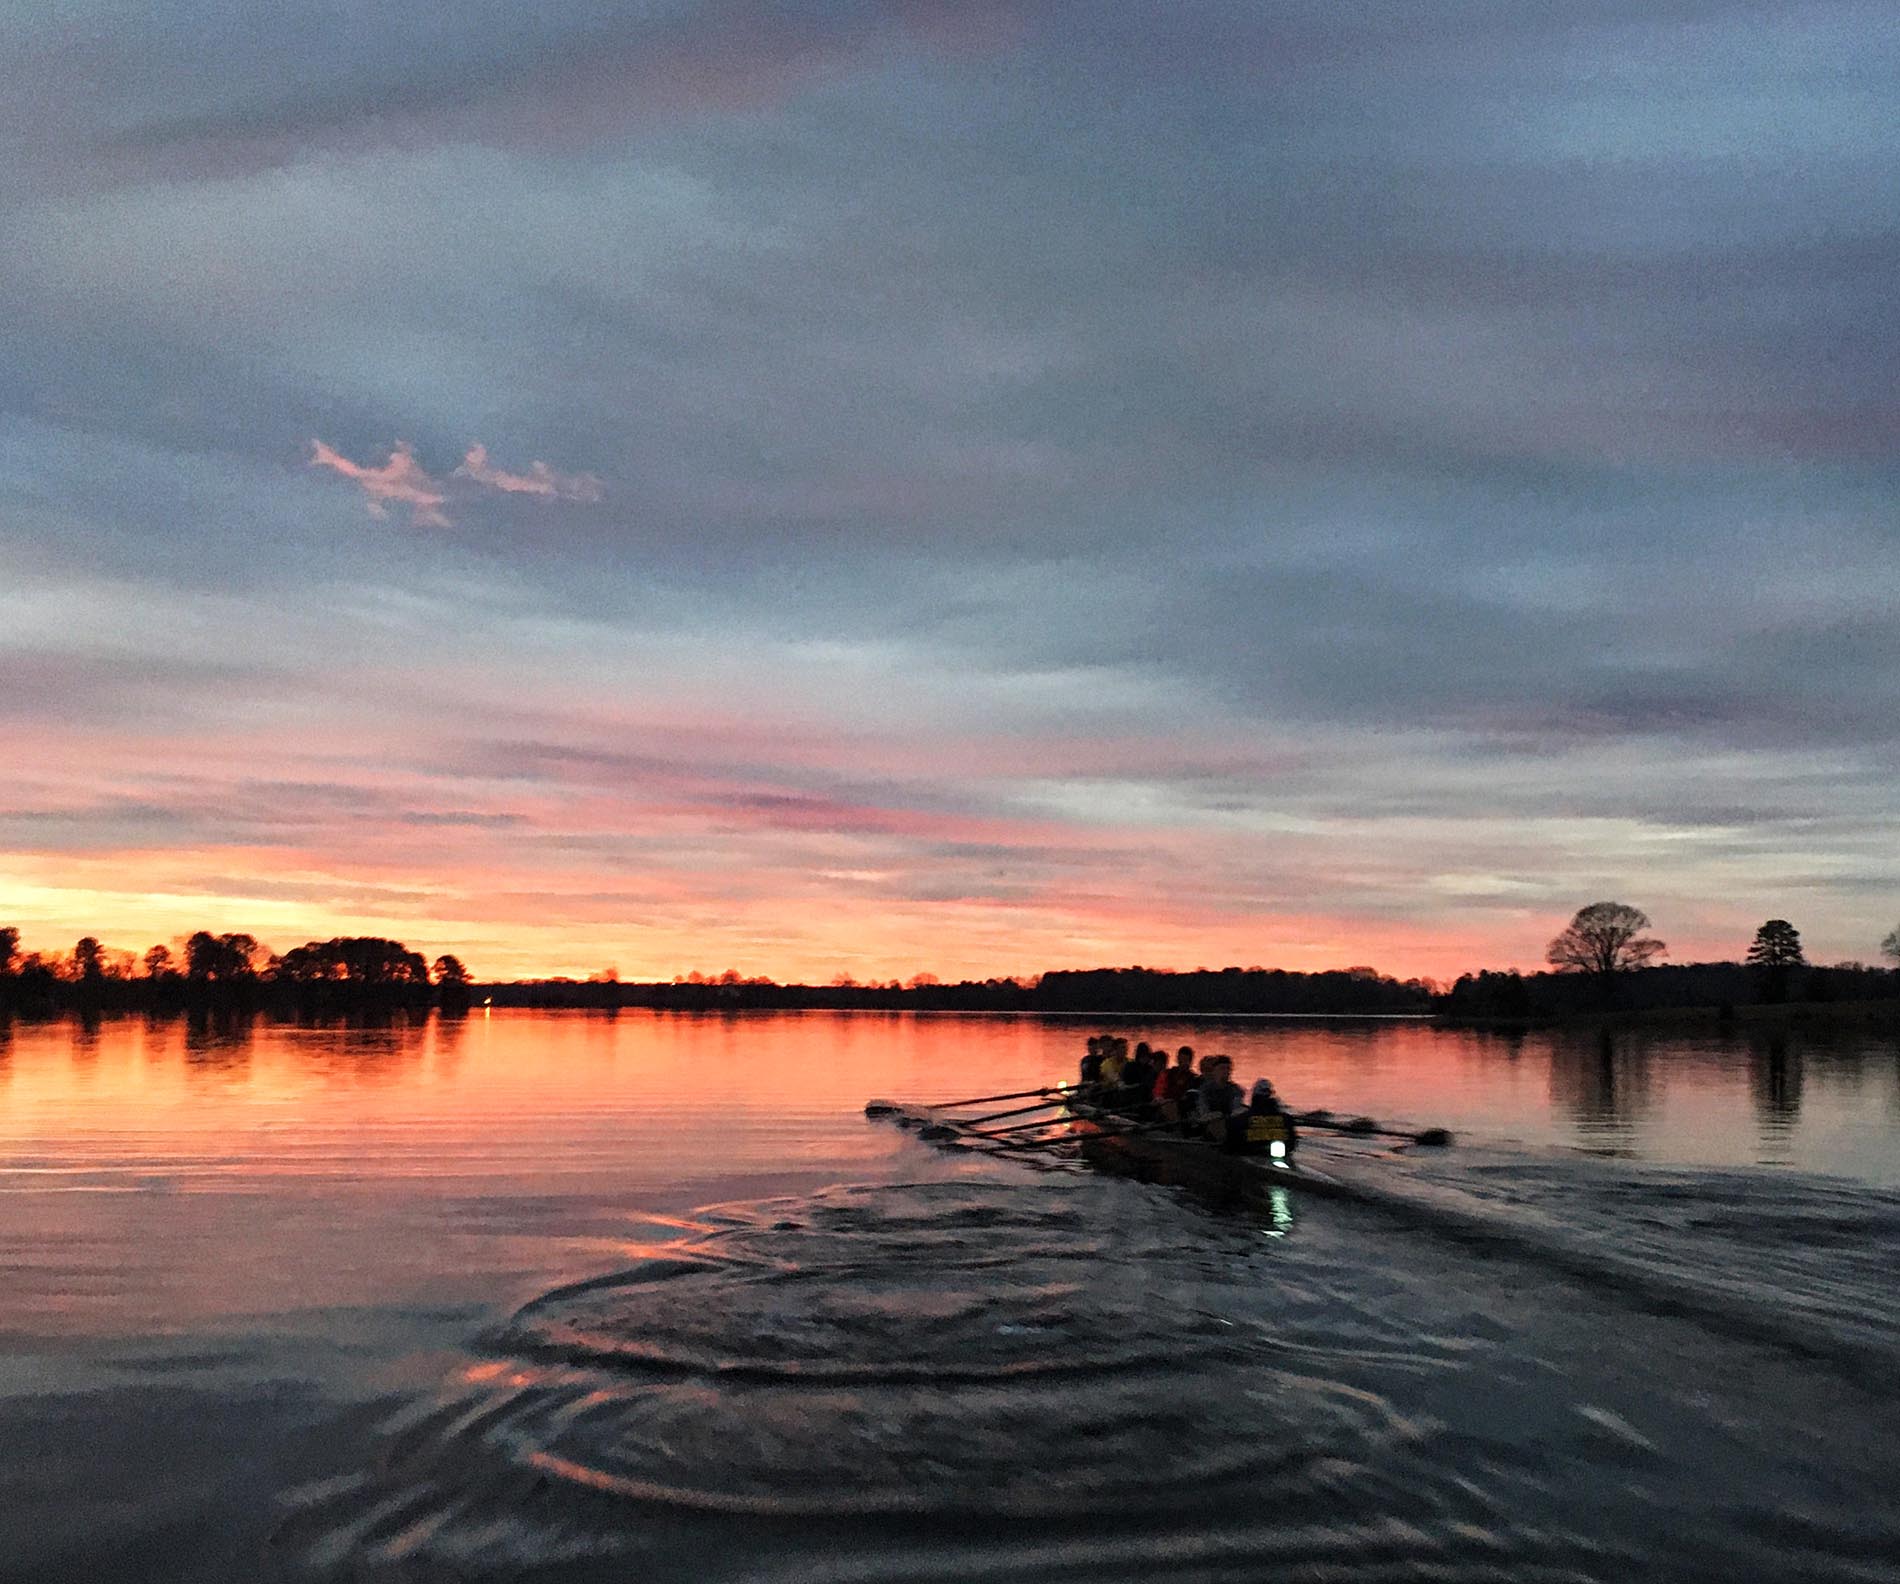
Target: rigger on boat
{"type": "Point", "coordinates": [1172, 1118]}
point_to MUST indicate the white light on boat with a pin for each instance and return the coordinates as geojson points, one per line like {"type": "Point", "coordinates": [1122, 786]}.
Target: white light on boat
{"type": "Point", "coordinates": [1277, 1149]}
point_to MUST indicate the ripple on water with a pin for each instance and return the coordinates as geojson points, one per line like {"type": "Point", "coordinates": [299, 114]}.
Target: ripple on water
{"type": "Point", "coordinates": [948, 1379]}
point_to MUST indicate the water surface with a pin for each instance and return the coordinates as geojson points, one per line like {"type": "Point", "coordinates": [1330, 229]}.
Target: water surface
{"type": "Point", "coordinates": [559, 1295]}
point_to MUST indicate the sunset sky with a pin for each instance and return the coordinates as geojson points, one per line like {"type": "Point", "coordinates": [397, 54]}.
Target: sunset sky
{"type": "Point", "coordinates": [967, 485]}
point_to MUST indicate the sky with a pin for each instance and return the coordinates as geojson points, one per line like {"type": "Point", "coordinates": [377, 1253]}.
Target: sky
{"type": "Point", "coordinates": [976, 486]}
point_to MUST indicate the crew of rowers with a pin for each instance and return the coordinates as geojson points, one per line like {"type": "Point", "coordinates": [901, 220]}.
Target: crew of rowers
{"type": "Point", "coordinates": [1203, 1101]}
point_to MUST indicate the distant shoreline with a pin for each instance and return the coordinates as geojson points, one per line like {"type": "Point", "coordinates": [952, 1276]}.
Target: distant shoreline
{"type": "Point", "coordinates": [1861, 1013]}
{"type": "Point", "coordinates": [1877, 1015]}
{"type": "Point", "coordinates": [371, 975]}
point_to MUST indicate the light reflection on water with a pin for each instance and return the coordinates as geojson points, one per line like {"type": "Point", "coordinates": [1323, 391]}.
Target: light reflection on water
{"type": "Point", "coordinates": [440, 1134]}
{"type": "Point", "coordinates": [271, 1222]}
{"type": "Point", "coordinates": [570, 1092]}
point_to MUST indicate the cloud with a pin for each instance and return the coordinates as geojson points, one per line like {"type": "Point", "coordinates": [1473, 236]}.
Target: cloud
{"type": "Point", "coordinates": [401, 480]}
{"type": "Point", "coordinates": [540, 479]}
{"type": "Point", "coordinates": [193, 96]}
{"type": "Point", "coordinates": [1382, 462]}
{"type": "Point", "coordinates": [404, 480]}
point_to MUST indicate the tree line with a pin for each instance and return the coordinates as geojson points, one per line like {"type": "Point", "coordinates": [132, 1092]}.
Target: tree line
{"type": "Point", "coordinates": [232, 969]}
{"type": "Point", "coordinates": [1604, 960]}
{"type": "Point", "coordinates": [1154, 991]}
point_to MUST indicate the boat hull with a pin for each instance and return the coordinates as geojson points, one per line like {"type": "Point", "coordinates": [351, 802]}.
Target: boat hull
{"type": "Point", "coordinates": [1115, 1144]}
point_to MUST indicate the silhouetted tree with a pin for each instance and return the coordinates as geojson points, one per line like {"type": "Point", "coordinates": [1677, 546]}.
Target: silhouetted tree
{"type": "Point", "coordinates": [158, 962]}
{"type": "Point", "coordinates": [312, 963]}
{"type": "Point", "coordinates": [32, 983]}
{"type": "Point", "coordinates": [452, 992]}
{"type": "Point", "coordinates": [1603, 940]}
{"type": "Point", "coordinates": [1890, 947]}
{"type": "Point", "coordinates": [201, 957]}
{"type": "Point", "coordinates": [89, 960]}
{"type": "Point", "coordinates": [364, 961]}
{"type": "Point", "coordinates": [1777, 945]}
{"type": "Point", "coordinates": [10, 950]}
{"type": "Point", "coordinates": [241, 954]}
{"type": "Point", "coordinates": [221, 959]}
{"type": "Point", "coordinates": [1774, 954]}
{"type": "Point", "coordinates": [1488, 995]}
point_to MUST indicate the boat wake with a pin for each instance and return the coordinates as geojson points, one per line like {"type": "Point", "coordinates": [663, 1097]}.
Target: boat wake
{"type": "Point", "coordinates": [972, 1379]}
{"type": "Point", "coordinates": [1791, 1261]}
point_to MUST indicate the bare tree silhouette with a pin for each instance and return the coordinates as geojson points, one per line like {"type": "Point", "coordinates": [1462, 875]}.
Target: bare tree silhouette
{"type": "Point", "coordinates": [1603, 940]}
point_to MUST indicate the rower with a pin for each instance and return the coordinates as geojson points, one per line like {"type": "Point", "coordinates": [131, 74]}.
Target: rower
{"type": "Point", "coordinates": [1173, 1083]}
{"type": "Point", "coordinates": [1217, 1098]}
{"type": "Point", "coordinates": [1092, 1061]}
{"type": "Point", "coordinates": [1138, 1078]}
{"type": "Point", "coordinates": [1114, 1059]}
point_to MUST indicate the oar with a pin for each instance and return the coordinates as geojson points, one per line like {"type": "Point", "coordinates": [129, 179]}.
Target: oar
{"type": "Point", "coordinates": [997, 1116]}
{"type": "Point", "coordinates": [952, 1138]}
{"type": "Point", "coordinates": [876, 1108]}
{"type": "Point", "coordinates": [1156, 1126]}
{"type": "Point", "coordinates": [1365, 1127]}
{"type": "Point", "coordinates": [1020, 1094]}
{"type": "Point", "coordinates": [1020, 1127]}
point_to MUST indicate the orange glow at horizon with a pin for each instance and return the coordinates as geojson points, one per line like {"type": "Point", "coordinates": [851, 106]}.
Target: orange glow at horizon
{"type": "Point", "coordinates": [778, 848]}
{"type": "Point", "coordinates": [512, 934]}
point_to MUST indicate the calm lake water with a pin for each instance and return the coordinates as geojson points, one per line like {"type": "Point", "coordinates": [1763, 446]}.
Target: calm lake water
{"type": "Point", "coordinates": [568, 1296]}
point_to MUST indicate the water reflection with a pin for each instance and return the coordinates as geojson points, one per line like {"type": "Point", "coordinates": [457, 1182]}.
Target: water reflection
{"type": "Point", "coordinates": [218, 1042]}
{"type": "Point", "coordinates": [1603, 1083]}
{"type": "Point", "coordinates": [526, 1087]}
{"type": "Point", "coordinates": [1774, 1082]}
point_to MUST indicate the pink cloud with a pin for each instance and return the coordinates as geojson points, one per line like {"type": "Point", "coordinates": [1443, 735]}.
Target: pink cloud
{"type": "Point", "coordinates": [401, 479]}
{"type": "Point", "coordinates": [540, 479]}
{"type": "Point", "coordinates": [404, 480]}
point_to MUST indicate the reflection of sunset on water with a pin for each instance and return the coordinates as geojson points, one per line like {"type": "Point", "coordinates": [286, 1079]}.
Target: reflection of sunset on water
{"type": "Point", "coordinates": [330, 1140]}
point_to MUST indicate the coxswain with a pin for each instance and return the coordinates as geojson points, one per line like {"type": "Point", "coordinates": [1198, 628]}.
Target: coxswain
{"type": "Point", "coordinates": [1263, 1127]}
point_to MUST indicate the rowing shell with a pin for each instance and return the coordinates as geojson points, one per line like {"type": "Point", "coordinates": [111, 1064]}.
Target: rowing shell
{"type": "Point", "coordinates": [1115, 1142]}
